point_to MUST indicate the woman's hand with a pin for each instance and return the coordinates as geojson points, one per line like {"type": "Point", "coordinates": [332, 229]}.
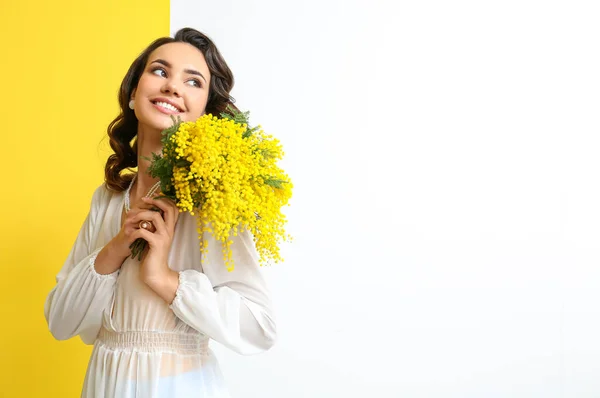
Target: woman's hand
{"type": "Point", "coordinates": [112, 256]}
{"type": "Point", "coordinates": [127, 234]}
{"type": "Point", "coordinates": [154, 267]}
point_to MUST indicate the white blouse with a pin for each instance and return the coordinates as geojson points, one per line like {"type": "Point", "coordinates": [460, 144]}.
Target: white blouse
{"type": "Point", "coordinates": [144, 347]}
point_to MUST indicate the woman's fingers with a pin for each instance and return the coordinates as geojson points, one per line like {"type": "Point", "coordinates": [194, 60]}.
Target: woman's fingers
{"type": "Point", "coordinates": [150, 215]}
{"type": "Point", "coordinates": [141, 233]}
{"type": "Point", "coordinates": [169, 208]}
{"type": "Point", "coordinates": [135, 210]}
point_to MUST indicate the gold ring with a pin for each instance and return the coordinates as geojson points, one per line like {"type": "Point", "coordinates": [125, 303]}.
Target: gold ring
{"type": "Point", "coordinates": [147, 225]}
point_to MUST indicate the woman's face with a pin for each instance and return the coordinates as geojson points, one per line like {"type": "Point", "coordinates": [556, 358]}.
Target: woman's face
{"type": "Point", "coordinates": [175, 82]}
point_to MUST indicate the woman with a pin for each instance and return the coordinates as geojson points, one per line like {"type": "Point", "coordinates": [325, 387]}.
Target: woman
{"type": "Point", "coordinates": [151, 320]}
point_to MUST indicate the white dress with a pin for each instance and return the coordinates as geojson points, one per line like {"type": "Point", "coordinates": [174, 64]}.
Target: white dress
{"type": "Point", "coordinates": [144, 347]}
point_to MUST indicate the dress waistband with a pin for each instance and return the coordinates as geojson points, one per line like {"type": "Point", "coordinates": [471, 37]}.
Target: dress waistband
{"type": "Point", "coordinates": [177, 342]}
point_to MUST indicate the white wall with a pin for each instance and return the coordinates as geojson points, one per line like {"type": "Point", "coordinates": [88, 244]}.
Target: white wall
{"type": "Point", "coordinates": [447, 203]}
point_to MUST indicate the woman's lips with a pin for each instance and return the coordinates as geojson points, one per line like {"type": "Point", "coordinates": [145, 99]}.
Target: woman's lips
{"type": "Point", "coordinates": [169, 110]}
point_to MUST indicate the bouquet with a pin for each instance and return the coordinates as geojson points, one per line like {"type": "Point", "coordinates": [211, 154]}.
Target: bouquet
{"type": "Point", "coordinates": [225, 173]}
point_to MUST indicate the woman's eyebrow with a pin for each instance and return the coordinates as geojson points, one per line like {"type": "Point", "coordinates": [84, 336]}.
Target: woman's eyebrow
{"type": "Point", "coordinates": [190, 71]}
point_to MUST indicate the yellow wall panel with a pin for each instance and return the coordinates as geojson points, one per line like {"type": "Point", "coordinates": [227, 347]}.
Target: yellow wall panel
{"type": "Point", "coordinates": [61, 65]}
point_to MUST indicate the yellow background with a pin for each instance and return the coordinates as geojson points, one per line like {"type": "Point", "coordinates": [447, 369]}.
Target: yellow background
{"type": "Point", "coordinates": [61, 65]}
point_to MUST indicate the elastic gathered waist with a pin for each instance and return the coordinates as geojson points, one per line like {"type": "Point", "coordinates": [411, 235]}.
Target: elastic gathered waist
{"type": "Point", "coordinates": [177, 342]}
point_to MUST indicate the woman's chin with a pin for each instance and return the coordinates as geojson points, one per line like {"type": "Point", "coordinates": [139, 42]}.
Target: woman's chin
{"type": "Point", "coordinates": [160, 123]}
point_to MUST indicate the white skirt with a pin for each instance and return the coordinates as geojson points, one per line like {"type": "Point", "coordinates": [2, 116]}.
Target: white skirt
{"type": "Point", "coordinates": [152, 365]}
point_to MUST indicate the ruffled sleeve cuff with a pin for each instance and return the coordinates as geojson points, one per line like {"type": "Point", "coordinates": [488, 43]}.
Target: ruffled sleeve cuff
{"type": "Point", "coordinates": [185, 283]}
{"type": "Point", "coordinates": [92, 267]}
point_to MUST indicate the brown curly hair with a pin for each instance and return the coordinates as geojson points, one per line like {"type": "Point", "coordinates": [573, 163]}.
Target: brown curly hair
{"type": "Point", "coordinates": [124, 127]}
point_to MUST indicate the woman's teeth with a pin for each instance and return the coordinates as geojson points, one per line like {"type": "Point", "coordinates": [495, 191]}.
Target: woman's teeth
{"type": "Point", "coordinates": [167, 106]}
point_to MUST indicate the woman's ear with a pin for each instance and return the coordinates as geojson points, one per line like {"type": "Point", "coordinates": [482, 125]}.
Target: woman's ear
{"type": "Point", "coordinates": [132, 100]}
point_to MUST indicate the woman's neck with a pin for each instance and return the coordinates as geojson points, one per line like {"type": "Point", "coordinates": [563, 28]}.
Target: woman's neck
{"type": "Point", "coordinates": [147, 144]}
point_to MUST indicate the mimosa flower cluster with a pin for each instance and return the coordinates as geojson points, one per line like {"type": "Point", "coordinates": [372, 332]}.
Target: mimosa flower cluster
{"type": "Point", "coordinates": [226, 175]}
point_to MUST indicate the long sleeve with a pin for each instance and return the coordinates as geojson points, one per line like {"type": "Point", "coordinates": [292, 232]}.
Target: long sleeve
{"type": "Point", "coordinates": [76, 304]}
{"type": "Point", "coordinates": [233, 308]}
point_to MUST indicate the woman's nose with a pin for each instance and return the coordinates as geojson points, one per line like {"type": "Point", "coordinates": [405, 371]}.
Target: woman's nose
{"type": "Point", "coordinates": [170, 87]}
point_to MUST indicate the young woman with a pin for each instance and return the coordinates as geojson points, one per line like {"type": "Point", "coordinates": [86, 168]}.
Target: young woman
{"type": "Point", "coordinates": [151, 320]}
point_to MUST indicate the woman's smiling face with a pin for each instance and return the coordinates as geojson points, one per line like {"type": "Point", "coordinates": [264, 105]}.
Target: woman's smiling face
{"type": "Point", "coordinates": [175, 81]}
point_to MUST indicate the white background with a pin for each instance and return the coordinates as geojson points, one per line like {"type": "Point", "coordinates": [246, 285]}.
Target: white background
{"type": "Point", "coordinates": [446, 206]}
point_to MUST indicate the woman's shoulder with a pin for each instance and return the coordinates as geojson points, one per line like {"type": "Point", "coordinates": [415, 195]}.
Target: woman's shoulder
{"type": "Point", "coordinates": [102, 194]}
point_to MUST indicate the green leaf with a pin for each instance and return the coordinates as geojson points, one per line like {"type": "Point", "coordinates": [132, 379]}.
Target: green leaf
{"type": "Point", "coordinates": [182, 163]}
{"type": "Point", "coordinates": [265, 153]}
{"type": "Point", "coordinates": [275, 182]}
{"type": "Point", "coordinates": [249, 132]}
{"type": "Point", "coordinates": [241, 118]}
{"type": "Point", "coordinates": [168, 132]}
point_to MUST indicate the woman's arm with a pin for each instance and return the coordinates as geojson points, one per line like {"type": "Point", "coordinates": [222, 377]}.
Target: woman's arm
{"type": "Point", "coordinates": [233, 308]}
{"type": "Point", "coordinates": [76, 304]}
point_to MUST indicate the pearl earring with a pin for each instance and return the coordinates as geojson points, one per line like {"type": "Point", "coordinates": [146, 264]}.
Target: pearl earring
{"type": "Point", "coordinates": [131, 104]}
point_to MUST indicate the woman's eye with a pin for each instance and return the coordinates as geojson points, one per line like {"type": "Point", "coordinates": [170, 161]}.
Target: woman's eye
{"type": "Point", "coordinates": [159, 72]}
{"type": "Point", "coordinates": [194, 82]}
